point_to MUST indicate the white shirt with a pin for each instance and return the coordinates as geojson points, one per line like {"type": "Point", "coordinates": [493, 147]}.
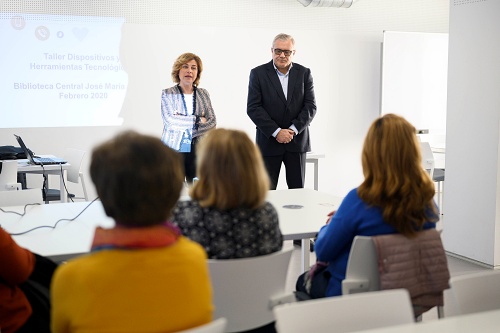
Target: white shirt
{"type": "Point", "coordinates": [284, 85]}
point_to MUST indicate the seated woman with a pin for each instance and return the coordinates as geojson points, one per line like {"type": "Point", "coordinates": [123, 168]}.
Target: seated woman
{"type": "Point", "coordinates": [24, 305]}
{"type": "Point", "coordinates": [396, 196]}
{"type": "Point", "coordinates": [227, 213]}
{"type": "Point", "coordinates": [142, 275]}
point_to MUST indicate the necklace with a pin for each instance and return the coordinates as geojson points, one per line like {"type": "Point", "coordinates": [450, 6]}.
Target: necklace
{"type": "Point", "coordinates": [184, 100]}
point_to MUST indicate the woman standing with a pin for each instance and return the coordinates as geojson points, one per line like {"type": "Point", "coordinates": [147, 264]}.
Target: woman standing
{"type": "Point", "coordinates": [186, 111]}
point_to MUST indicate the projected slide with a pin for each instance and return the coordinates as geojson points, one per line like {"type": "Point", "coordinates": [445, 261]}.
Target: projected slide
{"type": "Point", "coordinates": [58, 71]}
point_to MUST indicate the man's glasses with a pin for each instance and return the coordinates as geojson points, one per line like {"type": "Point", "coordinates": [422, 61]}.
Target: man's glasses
{"type": "Point", "coordinates": [280, 51]}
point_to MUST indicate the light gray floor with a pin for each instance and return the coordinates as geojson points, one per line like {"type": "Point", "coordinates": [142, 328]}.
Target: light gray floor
{"type": "Point", "coordinates": [457, 266]}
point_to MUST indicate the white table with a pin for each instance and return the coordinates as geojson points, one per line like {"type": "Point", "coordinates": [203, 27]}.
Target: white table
{"type": "Point", "coordinates": [313, 158]}
{"type": "Point", "coordinates": [74, 238]}
{"type": "Point", "coordinates": [54, 169]}
{"type": "Point", "coordinates": [302, 223]}
{"type": "Point", "coordinates": [482, 322]}
{"type": "Point", "coordinates": [68, 239]}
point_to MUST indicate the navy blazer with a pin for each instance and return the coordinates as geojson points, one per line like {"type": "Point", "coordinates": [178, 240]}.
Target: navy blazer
{"type": "Point", "coordinates": [269, 110]}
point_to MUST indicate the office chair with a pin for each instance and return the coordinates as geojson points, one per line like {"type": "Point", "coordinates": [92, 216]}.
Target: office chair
{"type": "Point", "coordinates": [368, 261]}
{"type": "Point", "coordinates": [476, 292]}
{"type": "Point", "coordinates": [216, 326]}
{"type": "Point", "coordinates": [20, 198]}
{"type": "Point", "coordinates": [347, 313]}
{"type": "Point", "coordinates": [244, 289]}
{"type": "Point", "coordinates": [427, 158]}
{"type": "Point", "coordinates": [74, 175]}
{"type": "Point", "coordinates": [437, 175]}
{"type": "Point", "coordinates": [8, 176]}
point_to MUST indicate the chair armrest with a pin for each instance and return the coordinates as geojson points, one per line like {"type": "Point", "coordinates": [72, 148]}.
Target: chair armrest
{"type": "Point", "coordinates": [282, 299]}
{"type": "Point", "coordinates": [12, 186]}
{"type": "Point", "coordinates": [352, 286]}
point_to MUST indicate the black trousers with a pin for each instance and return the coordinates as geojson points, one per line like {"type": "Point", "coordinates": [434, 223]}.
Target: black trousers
{"type": "Point", "coordinates": [295, 168]}
{"type": "Point", "coordinates": [190, 161]}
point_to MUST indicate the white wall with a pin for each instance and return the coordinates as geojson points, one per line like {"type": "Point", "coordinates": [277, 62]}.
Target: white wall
{"type": "Point", "coordinates": [341, 46]}
{"type": "Point", "coordinates": [472, 195]}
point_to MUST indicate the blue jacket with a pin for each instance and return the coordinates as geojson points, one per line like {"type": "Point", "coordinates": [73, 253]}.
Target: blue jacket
{"type": "Point", "coordinates": [354, 217]}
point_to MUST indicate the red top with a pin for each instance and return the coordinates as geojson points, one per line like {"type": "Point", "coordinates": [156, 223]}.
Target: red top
{"type": "Point", "coordinates": [16, 265]}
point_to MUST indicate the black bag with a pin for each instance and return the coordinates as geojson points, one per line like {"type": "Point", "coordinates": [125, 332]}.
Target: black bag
{"type": "Point", "coordinates": [11, 153]}
{"type": "Point", "coordinates": [319, 283]}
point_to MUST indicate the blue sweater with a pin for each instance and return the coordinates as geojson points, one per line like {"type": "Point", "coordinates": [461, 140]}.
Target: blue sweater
{"type": "Point", "coordinates": [354, 217]}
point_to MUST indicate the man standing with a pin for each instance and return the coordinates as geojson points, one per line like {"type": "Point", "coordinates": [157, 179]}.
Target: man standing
{"type": "Point", "coordinates": [281, 103]}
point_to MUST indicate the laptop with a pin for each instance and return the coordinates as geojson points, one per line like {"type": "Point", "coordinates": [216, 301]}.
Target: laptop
{"type": "Point", "coordinates": [35, 159]}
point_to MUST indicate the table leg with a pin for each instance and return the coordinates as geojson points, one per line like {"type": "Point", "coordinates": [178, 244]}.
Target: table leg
{"type": "Point", "coordinates": [62, 192]}
{"type": "Point", "coordinates": [316, 175]}
{"type": "Point", "coordinates": [304, 248]}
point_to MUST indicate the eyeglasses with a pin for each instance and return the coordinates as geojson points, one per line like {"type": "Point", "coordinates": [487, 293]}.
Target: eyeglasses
{"type": "Point", "coordinates": [286, 52]}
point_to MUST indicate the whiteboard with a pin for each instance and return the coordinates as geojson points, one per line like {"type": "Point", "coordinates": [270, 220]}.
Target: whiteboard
{"type": "Point", "coordinates": [414, 78]}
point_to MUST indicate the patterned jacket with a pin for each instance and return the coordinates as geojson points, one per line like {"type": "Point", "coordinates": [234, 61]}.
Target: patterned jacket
{"type": "Point", "coordinates": [175, 115]}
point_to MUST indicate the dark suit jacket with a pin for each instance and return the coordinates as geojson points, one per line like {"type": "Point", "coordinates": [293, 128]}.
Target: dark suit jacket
{"type": "Point", "coordinates": [269, 110]}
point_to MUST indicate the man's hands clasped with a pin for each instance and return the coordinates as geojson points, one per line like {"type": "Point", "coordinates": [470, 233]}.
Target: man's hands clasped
{"type": "Point", "coordinates": [285, 135]}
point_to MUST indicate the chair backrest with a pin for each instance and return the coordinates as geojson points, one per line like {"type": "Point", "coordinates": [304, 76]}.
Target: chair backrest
{"type": "Point", "coordinates": [21, 198]}
{"type": "Point", "coordinates": [346, 313]}
{"type": "Point", "coordinates": [74, 158]}
{"type": "Point", "coordinates": [427, 158]}
{"type": "Point", "coordinates": [8, 176]}
{"type": "Point", "coordinates": [476, 292]}
{"type": "Point", "coordinates": [244, 287]}
{"type": "Point", "coordinates": [362, 267]}
{"type": "Point", "coordinates": [216, 326]}
{"type": "Point", "coordinates": [418, 264]}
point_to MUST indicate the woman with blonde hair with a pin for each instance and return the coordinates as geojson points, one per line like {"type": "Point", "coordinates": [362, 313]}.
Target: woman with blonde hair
{"type": "Point", "coordinates": [186, 110]}
{"type": "Point", "coordinates": [396, 196]}
{"type": "Point", "coordinates": [228, 214]}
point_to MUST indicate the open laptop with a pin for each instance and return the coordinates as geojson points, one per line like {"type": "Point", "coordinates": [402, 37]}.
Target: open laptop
{"type": "Point", "coordinates": [35, 159]}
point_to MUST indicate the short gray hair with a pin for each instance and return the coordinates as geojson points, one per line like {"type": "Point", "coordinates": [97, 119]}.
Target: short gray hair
{"type": "Point", "coordinates": [283, 37]}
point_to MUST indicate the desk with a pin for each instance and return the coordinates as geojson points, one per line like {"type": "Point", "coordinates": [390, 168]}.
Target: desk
{"type": "Point", "coordinates": [313, 158]}
{"type": "Point", "coordinates": [69, 239]}
{"type": "Point", "coordinates": [481, 322]}
{"type": "Point", "coordinates": [73, 238]}
{"type": "Point", "coordinates": [302, 223]}
{"type": "Point", "coordinates": [54, 169]}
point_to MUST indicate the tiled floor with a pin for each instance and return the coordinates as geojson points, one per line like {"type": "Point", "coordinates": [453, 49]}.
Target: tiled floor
{"type": "Point", "coordinates": [457, 266]}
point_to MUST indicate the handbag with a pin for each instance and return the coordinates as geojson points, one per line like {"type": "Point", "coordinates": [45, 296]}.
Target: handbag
{"type": "Point", "coordinates": [314, 282]}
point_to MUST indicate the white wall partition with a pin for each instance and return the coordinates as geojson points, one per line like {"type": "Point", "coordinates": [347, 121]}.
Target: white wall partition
{"type": "Point", "coordinates": [472, 196]}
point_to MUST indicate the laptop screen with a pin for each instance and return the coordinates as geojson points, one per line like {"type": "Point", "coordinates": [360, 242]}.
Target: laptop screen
{"type": "Point", "coordinates": [25, 149]}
